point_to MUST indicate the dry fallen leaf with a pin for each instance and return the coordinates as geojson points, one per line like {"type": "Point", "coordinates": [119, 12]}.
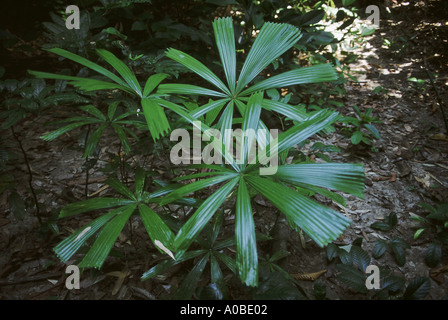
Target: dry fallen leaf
{"type": "Point", "coordinates": [425, 181]}
{"type": "Point", "coordinates": [308, 276]}
{"type": "Point", "coordinates": [121, 275]}
{"type": "Point", "coordinates": [439, 137]}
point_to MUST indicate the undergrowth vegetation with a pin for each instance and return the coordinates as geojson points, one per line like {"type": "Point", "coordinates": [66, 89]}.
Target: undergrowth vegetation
{"type": "Point", "coordinates": [136, 74]}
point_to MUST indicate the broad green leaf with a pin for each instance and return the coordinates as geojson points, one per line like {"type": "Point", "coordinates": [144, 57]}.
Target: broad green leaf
{"type": "Point", "coordinates": [352, 277]}
{"type": "Point", "coordinates": [360, 258]}
{"type": "Point", "coordinates": [203, 214]}
{"type": "Point", "coordinates": [391, 282]}
{"type": "Point", "coordinates": [213, 291]}
{"type": "Point", "coordinates": [250, 124]}
{"type": "Point", "coordinates": [271, 42]}
{"type": "Point", "coordinates": [210, 107]}
{"type": "Point", "coordinates": [93, 111]}
{"type": "Point", "coordinates": [112, 109]}
{"type": "Point", "coordinates": [225, 40]}
{"type": "Point", "coordinates": [174, 88]}
{"type": "Point", "coordinates": [197, 67]}
{"type": "Point", "coordinates": [199, 175]}
{"type": "Point", "coordinates": [289, 111]}
{"type": "Point", "coordinates": [313, 74]}
{"type": "Point", "coordinates": [85, 84]}
{"type": "Point", "coordinates": [322, 224]}
{"type": "Point", "coordinates": [156, 228]}
{"type": "Point", "coordinates": [155, 117]}
{"type": "Point", "coordinates": [278, 255]}
{"type": "Point", "coordinates": [228, 261]}
{"type": "Point", "coordinates": [94, 85]}
{"type": "Point", "coordinates": [226, 126]}
{"type": "Point", "coordinates": [373, 130]}
{"type": "Point", "coordinates": [326, 193]}
{"type": "Point", "coordinates": [88, 64]}
{"type": "Point", "coordinates": [418, 233]}
{"type": "Point", "coordinates": [246, 244]}
{"type": "Point", "coordinates": [399, 247]}
{"type": "Point", "coordinates": [379, 249]}
{"type": "Point", "coordinates": [202, 127]}
{"type": "Point", "coordinates": [58, 132]}
{"type": "Point", "coordinates": [122, 69]}
{"type": "Point", "coordinates": [276, 286]}
{"type": "Point", "coordinates": [152, 82]}
{"type": "Point", "coordinates": [118, 186]}
{"type": "Point", "coordinates": [140, 177]}
{"type": "Point", "coordinates": [336, 176]}
{"type": "Point", "coordinates": [301, 132]}
{"type": "Point", "coordinates": [65, 249]}
{"type": "Point", "coordinates": [93, 140]}
{"type": "Point", "coordinates": [167, 264]}
{"type": "Point", "coordinates": [188, 285]}
{"type": "Point", "coordinates": [332, 251]}
{"type": "Point", "coordinates": [383, 226]}
{"type": "Point", "coordinates": [433, 254]}
{"type": "Point", "coordinates": [195, 186]}
{"type": "Point", "coordinates": [100, 249]}
{"type": "Point", "coordinates": [122, 136]}
{"type": "Point", "coordinates": [356, 137]}
{"type": "Point", "coordinates": [417, 289]}
{"type": "Point", "coordinates": [92, 204]}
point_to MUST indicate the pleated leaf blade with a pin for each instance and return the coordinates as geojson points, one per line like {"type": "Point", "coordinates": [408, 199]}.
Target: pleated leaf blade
{"type": "Point", "coordinates": [225, 41]}
{"type": "Point", "coordinates": [203, 214]}
{"type": "Point", "coordinates": [322, 224]}
{"type": "Point", "coordinates": [344, 177]}
{"type": "Point", "coordinates": [246, 242]}
{"type": "Point", "coordinates": [100, 249]}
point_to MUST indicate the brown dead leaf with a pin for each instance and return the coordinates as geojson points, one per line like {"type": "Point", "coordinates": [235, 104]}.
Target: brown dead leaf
{"type": "Point", "coordinates": [308, 276]}
{"type": "Point", "coordinates": [437, 274]}
{"type": "Point", "coordinates": [121, 275]}
{"type": "Point", "coordinates": [394, 177]}
{"type": "Point", "coordinates": [425, 181]}
{"type": "Point", "coordinates": [381, 178]}
{"type": "Point", "coordinates": [408, 128]}
{"type": "Point", "coordinates": [439, 137]}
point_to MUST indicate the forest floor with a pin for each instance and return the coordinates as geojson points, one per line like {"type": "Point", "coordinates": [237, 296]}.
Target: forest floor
{"type": "Point", "coordinates": [407, 166]}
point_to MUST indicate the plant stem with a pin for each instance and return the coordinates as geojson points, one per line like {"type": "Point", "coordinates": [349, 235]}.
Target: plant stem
{"type": "Point", "coordinates": [30, 174]}
{"type": "Point", "coordinates": [86, 186]}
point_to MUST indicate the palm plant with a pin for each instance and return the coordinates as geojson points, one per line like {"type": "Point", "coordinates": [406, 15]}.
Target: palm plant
{"type": "Point", "coordinates": [242, 181]}
{"type": "Point", "coordinates": [157, 122]}
{"type": "Point", "coordinates": [272, 41]}
{"type": "Point", "coordinates": [114, 120]}
{"type": "Point", "coordinates": [109, 225]}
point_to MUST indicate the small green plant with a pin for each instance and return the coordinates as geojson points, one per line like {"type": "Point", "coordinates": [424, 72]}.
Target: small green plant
{"type": "Point", "coordinates": [116, 121]}
{"type": "Point", "coordinates": [418, 84]}
{"type": "Point", "coordinates": [379, 91]}
{"type": "Point", "coordinates": [112, 223]}
{"type": "Point", "coordinates": [390, 221]}
{"type": "Point", "coordinates": [396, 244]}
{"type": "Point", "coordinates": [398, 247]}
{"type": "Point", "coordinates": [436, 221]}
{"type": "Point", "coordinates": [156, 119]}
{"type": "Point", "coordinates": [357, 124]}
{"type": "Point", "coordinates": [352, 273]}
{"type": "Point", "coordinates": [211, 250]}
